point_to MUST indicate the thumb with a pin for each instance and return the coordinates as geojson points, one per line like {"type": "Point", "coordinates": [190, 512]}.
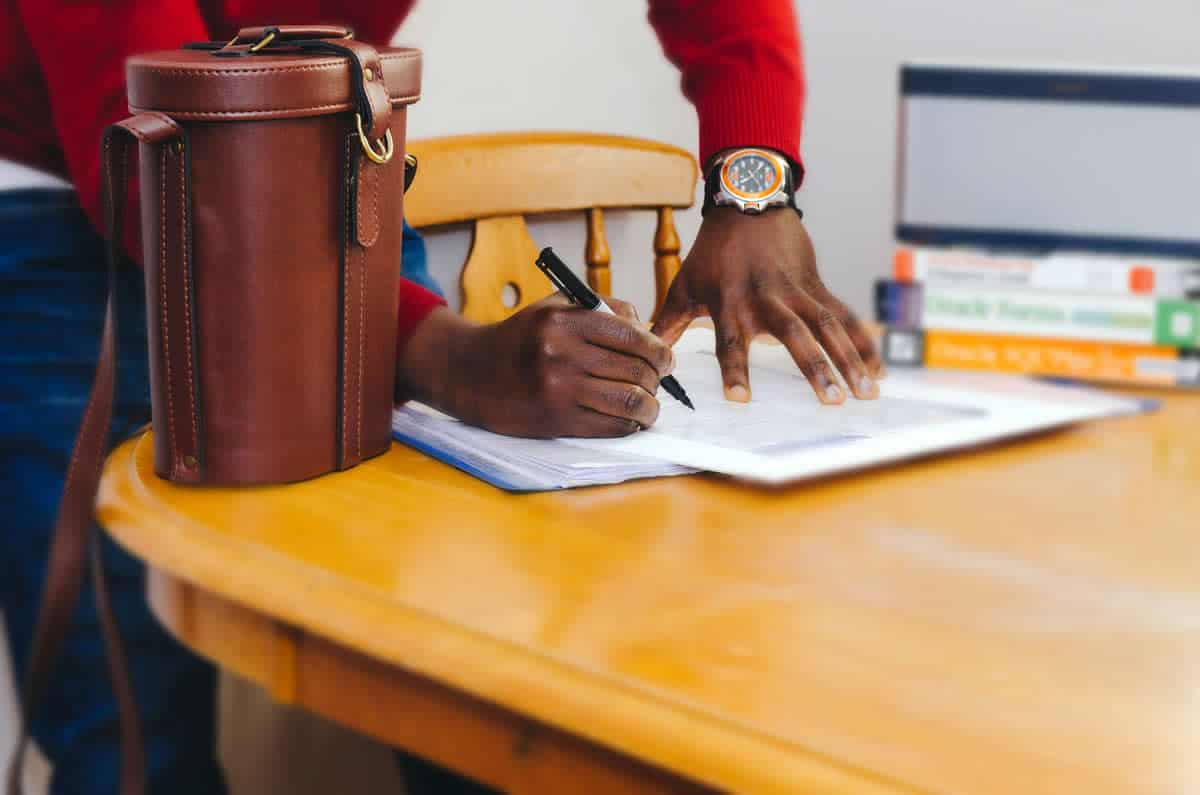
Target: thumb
{"type": "Point", "coordinates": [674, 317]}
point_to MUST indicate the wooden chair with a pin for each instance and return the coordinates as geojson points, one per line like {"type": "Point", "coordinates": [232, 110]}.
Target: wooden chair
{"type": "Point", "coordinates": [496, 180]}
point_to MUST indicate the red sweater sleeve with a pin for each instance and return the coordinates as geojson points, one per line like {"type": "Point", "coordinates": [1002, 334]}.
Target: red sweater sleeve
{"type": "Point", "coordinates": [81, 49]}
{"type": "Point", "coordinates": [741, 68]}
{"type": "Point", "coordinates": [415, 305]}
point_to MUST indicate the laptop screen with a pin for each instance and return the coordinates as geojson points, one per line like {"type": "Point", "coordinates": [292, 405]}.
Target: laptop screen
{"type": "Point", "coordinates": [1050, 159]}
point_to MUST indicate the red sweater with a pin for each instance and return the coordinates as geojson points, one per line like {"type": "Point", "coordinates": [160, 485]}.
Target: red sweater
{"type": "Point", "coordinates": [62, 72]}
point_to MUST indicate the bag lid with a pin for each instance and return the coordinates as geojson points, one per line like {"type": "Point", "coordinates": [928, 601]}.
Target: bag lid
{"type": "Point", "coordinates": [274, 82]}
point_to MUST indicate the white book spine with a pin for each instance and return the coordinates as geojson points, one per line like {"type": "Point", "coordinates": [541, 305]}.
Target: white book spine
{"type": "Point", "coordinates": [1067, 272]}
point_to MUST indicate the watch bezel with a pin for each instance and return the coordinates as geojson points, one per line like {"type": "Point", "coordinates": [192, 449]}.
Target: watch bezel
{"type": "Point", "coordinates": [758, 196]}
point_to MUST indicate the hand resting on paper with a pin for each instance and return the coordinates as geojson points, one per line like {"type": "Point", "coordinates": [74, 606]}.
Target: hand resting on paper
{"type": "Point", "coordinates": [758, 273]}
{"type": "Point", "coordinates": [549, 370]}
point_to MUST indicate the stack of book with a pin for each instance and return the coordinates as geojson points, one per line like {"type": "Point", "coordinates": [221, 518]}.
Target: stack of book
{"type": "Point", "coordinates": [1078, 316]}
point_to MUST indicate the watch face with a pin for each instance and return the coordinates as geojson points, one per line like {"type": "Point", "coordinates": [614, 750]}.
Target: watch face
{"type": "Point", "coordinates": [751, 174]}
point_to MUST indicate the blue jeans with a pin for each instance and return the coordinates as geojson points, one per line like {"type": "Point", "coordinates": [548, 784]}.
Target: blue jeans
{"type": "Point", "coordinates": [52, 287]}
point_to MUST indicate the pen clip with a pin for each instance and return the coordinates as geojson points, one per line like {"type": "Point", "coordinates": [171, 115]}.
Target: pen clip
{"type": "Point", "coordinates": [554, 279]}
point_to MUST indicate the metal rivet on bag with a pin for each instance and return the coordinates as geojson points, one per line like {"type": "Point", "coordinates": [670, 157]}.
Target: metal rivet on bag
{"type": "Point", "coordinates": [189, 461]}
{"type": "Point", "coordinates": [177, 146]}
{"type": "Point", "coordinates": [367, 73]}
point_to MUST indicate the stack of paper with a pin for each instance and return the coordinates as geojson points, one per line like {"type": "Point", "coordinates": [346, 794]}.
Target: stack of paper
{"type": "Point", "coordinates": [520, 464]}
{"type": "Point", "coordinates": [784, 434]}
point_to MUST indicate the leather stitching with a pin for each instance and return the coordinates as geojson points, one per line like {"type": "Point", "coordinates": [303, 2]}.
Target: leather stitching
{"type": "Point", "coordinates": [136, 128]}
{"type": "Point", "coordinates": [374, 209]}
{"type": "Point", "coordinates": [340, 63]}
{"type": "Point", "coordinates": [367, 215]}
{"type": "Point", "coordinates": [246, 114]}
{"type": "Point", "coordinates": [362, 336]}
{"type": "Point", "coordinates": [162, 305]}
{"type": "Point", "coordinates": [345, 296]}
{"type": "Point", "coordinates": [311, 67]}
{"type": "Point", "coordinates": [187, 309]}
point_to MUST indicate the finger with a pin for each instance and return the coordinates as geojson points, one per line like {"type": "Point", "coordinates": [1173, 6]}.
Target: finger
{"type": "Point", "coordinates": [833, 338]}
{"type": "Point", "coordinates": [862, 339]}
{"type": "Point", "coordinates": [619, 399]}
{"type": "Point", "coordinates": [806, 352]}
{"type": "Point", "coordinates": [608, 331]}
{"type": "Point", "coordinates": [554, 299]}
{"type": "Point", "coordinates": [624, 309]}
{"type": "Point", "coordinates": [864, 343]}
{"type": "Point", "coordinates": [587, 423]}
{"type": "Point", "coordinates": [732, 352]}
{"type": "Point", "coordinates": [675, 316]}
{"type": "Point", "coordinates": [612, 366]}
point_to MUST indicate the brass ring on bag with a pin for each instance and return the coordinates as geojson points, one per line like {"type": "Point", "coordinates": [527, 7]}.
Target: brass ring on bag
{"type": "Point", "coordinates": [263, 42]}
{"type": "Point", "coordinates": [387, 147]}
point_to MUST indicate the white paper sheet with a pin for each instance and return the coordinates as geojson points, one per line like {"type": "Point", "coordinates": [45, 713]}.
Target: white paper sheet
{"type": "Point", "coordinates": [786, 434]}
{"type": "Point", "coordinates": [520, 464]}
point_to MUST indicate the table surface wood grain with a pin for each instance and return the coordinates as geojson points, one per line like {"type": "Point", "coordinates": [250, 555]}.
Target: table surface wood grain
{"type": "Point", "coordinates": [1020, 618]}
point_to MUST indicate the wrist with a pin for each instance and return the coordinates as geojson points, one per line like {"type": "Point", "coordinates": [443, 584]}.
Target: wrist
{"type": "Point", "coordinates": [427, 365]}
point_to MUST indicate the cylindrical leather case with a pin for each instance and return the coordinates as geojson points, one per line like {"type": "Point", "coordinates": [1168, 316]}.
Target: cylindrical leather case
{"type": "Point", "coordinates": [271, 233]}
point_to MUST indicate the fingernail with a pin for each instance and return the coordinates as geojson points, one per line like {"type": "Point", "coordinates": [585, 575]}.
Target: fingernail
{"type": "Point", "coordinates": [671, 364]}
{"type": "Point", "coordinates": [881, 371]}
{"type": "Point", "coordinates": [866, 386]}
{"type": "Point", "coordinates": [737, 393]}
{"type": "Point", "coordinates": [833, 393]}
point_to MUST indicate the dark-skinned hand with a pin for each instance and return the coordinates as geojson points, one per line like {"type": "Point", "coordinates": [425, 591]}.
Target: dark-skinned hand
{"type": "Point", "coordinates": [549, 370]}
{"type": "Point", "coordinates": [758, 274]}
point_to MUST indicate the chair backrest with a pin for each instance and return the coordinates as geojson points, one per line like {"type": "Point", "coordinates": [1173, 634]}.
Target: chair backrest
{"type": "Point", "coordinates": [496, 180]}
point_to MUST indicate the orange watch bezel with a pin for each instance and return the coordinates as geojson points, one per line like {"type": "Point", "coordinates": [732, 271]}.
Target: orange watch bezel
{"type": "Point", "coordinates": [738, 155]}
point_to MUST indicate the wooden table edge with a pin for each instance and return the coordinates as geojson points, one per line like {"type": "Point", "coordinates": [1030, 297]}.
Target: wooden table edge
{"type": "Point", "coordinates": [666, 735]}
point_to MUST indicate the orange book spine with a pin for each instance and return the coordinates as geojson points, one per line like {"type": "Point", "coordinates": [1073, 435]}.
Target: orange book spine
{"type": "Point", "coordinates": [1151, 365]}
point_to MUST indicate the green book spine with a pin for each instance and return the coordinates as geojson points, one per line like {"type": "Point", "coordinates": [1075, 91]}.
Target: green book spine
{"type": "Point", "coordinates": [1087, 316]}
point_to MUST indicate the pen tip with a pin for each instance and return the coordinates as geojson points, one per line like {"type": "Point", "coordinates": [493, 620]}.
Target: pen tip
{"type": "Point", "coordinates": [685, 400]}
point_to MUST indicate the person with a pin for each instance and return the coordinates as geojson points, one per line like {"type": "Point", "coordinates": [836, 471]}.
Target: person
{"type": "Point", "coordinates": [575, 373]}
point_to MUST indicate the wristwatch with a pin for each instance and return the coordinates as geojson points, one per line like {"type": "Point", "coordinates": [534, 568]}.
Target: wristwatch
{"type": "Point", "coordinates": [753, 180]}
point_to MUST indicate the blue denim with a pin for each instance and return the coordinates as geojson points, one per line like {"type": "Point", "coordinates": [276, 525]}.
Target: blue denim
{"type": "Point", "coordinates": [415, 263]}
{"type": "Point", "coordinates": [52, 288]}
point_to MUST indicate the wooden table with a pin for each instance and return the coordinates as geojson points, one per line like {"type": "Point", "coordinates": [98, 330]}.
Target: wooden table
{"type": "Point", "coordinates": [1020, 619]}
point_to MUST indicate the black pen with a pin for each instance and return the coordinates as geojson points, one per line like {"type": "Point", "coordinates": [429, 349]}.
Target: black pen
{"type": "Point", "coordinates": [580, 294]}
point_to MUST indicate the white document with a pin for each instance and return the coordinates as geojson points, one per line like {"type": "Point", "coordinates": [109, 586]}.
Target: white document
{"type": "Point", "coordinates": [784, 434]}
{"type": "Point", "coordinates": [520, 464]}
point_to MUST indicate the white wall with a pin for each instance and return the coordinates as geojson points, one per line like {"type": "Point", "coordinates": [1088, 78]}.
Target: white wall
{"type": "Point", "coordinates": [597, 66]}
{"type": "Point", "coordinates": [550, 65]}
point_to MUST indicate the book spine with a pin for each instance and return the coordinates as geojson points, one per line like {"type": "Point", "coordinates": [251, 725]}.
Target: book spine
{"type": "Point", "coordinates": [1141, 365]}
{"type": "Point", "coordinates": [898, 304]}
{"type": "Point", "coordinates": [1106, 318]}
{"type": "Point", "coordinates": [1068, 272]}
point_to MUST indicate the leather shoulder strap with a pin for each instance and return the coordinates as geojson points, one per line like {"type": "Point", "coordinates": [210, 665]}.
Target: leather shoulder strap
{"type": "Point", "coordinates": [73, 538]}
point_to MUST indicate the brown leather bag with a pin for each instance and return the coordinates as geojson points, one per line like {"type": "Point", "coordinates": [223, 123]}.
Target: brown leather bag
{"type": "Point", "coordinates": [272, 177]}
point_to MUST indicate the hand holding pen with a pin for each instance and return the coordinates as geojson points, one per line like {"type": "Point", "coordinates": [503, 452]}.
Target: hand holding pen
{"type": "Point", "coordinates": [577, 292]}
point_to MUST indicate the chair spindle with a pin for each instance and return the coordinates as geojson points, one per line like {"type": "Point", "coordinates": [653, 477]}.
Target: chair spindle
{"type": "Point", "coordinates": [597, 255]}
{"type": "Point", "coordinates": [666, 255]}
